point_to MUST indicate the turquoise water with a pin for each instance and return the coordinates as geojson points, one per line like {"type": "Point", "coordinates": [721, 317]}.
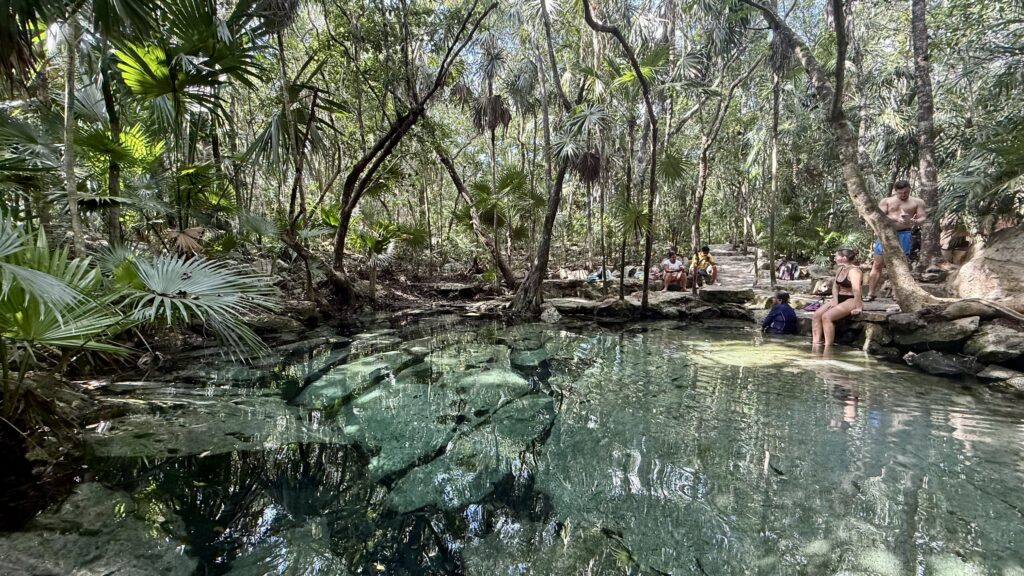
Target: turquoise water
{"type": "Point", "coordinates": [453, 448]}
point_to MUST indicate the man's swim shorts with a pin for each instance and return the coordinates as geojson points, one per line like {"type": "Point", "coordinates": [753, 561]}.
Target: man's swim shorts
{"type": "Point", "coordinates": [906, 240]}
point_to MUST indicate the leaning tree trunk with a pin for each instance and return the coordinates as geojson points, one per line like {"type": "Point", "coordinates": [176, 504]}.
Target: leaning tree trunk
{"type": "Point", "coordinates": [363, 171]}
{"type": "Point", "coordinates": [71, 184]}
{"type": "Point", "coordinates": [527, 299]}
{"type": "Point", "coordinates": [529, 294]}
{"type": "Point", "coordinates": [909, 295]}
{"type": "Point", "coordinates": [478, 227]}
{"type": "Point", "coordinates": [925, 132]}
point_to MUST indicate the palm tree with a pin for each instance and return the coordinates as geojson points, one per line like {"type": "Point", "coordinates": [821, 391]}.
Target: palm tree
{"type": "Point", "coordinates": [491, 111]}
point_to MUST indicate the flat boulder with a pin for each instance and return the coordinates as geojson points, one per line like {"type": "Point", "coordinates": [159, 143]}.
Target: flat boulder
{"type": "Point", "coordinates": [995, 343]}
{"type": "Point", "coordinates": [573, 306]}
{"type": "Point", "coordinates": [998, 373]}
{"type": "Point", "coordinates": [938, 334]}
{"type": "Point", "coordinates": [935, 362]}
{"type": "Point", "coordinates": [273, 324]}
{"type": "Point", "coordinates": [663, 304]}
{"type": "Point", "coordinates": [726, 294]}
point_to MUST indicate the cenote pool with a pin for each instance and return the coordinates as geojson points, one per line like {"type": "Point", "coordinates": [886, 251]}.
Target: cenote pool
{"type": "Point", "coordinates": [453, 447]}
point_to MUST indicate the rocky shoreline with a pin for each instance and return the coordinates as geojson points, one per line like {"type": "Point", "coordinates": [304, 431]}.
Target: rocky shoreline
{"type": "Point", "coordinates": [969, 338]}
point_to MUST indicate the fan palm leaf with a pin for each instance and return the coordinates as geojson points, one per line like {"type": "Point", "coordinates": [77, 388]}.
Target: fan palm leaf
{"type": "Point", "coordinates": [177, 292]}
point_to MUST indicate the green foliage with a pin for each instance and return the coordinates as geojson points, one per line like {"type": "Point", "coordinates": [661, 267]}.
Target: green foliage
{"type": "Point", "coordinates": [178, 292]}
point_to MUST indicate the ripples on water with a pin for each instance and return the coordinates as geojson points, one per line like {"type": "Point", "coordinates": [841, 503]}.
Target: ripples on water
{"type": "Point", "coordinates": [482, 449]}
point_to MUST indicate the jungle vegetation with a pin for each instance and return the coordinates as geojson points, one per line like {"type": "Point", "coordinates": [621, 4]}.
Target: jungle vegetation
{"type": "Point", "coordinates": [159, 157]}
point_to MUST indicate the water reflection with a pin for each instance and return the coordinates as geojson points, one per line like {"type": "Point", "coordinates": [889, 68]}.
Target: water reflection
{"type": "Point", "coordinates": [447, 448]}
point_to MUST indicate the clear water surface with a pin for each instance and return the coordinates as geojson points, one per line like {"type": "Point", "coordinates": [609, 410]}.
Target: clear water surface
{"type": "Point", "coordinates": [467, 448]}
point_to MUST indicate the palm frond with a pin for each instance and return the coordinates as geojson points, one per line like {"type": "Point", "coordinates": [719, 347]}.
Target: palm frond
{"type": "Point", "coordinates": [177, 291]}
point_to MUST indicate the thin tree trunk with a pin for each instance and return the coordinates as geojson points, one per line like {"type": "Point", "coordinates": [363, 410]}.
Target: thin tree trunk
{"type": "Point", "coordinates": [773, 193]}
{"type": "Point", "coordinates": [930, 252]}
{"type": "Point", "coordinates": [653, 121]}
{"type": "Point", "coordinates": [527, 299]}
{"type": "Point", "coordinates": [698, 200]}
{"type": "Point", "coordinates": [112, 213]}
{"type": "Point", "coordinates": [71, 185]}
{"type": "Point", "coordinates": [629, 196]}
{"type": "Point", "coordinates": [529, 294]}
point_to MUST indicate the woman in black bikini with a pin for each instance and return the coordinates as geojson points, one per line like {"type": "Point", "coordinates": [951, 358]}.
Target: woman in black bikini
{"type": "Point", "coordinates": [845, 301]}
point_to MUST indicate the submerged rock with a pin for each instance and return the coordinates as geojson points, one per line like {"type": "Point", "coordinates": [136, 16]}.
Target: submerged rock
{"type": "Point", "coordinates": [301, 551]}
{"type": "Point", "coordinates": [934, 362]}
{"type": "Point", "coordinates": [180, 425]}
{"type": "Point", "coordinates": [530, 548]}
{"type": "Point", "coordinates": [476, 461]}
{"type": "Point", "coordinates": [344, 381]}
{"type": "Point", "coordinates": [550, 315]}
{"type": "Point", "coordinates": [97, 531]}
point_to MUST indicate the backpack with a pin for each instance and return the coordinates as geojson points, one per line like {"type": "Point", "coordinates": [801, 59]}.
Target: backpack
{"type": "Point", "coordinates": [789, 271]}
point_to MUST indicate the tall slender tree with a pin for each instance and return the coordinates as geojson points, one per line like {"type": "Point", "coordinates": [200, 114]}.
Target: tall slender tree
{"type": "Point", "coordinates": [926, 168]}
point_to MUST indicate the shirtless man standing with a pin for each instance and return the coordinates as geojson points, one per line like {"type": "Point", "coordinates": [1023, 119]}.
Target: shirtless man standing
{"type": "Point", "coordinates": [905, 211]}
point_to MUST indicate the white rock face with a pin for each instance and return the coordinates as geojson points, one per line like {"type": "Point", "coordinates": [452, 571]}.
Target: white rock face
{"type": "Point", "coordinates": [996, 271]}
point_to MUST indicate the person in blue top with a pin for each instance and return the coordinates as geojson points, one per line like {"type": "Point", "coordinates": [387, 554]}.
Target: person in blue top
{"type": "Point", "coordinates": [782, 318]}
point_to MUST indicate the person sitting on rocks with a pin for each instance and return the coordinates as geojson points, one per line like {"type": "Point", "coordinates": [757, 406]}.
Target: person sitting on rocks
{"type": "Point", "coordinates": [782, 318]}
{"type": "Point", "coordinates": [674, 268]}
{"type": "Point", "coordinates": [845, 301]}
{"type": "Point", "coordinates": [703, 267]}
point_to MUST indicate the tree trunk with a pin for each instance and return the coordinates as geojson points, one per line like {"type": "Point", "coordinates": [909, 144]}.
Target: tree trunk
{"type": "Point", "coordinates": [909, 295]}
{"type": "Point", "coordinates": [112, 213]}
{"type": "Point", "coordinates": [478, 226]}
{"type": "Point", "coordinates": [773, 192]}
{"type": "Point", "coordinates": [929, 186]}
{"type": "Point", "coordinates": [71, 184]}
{"type": "Point", "coordinates": [527, 299]}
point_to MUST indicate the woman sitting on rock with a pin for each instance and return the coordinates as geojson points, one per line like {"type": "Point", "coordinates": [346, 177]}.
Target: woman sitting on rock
{"type": "Point", "coordinates": [845, 301]}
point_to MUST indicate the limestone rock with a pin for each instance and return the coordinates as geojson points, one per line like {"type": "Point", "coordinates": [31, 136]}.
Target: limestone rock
{"type": "Point", "coordinates": [999, 373]}
{"type": "Point", "coordinates": [355, 377]}
{"type": "Point", "coordinates": [726, 294]}
{"type": "Point", "coordinates": [305, 311]}
{"type": "Point", "coordinates": [906, 322]}
{"type": "Point", "coordinates": [994, 343]}
{"type": "Point", "coordinates": [268, 324]}
{"type": "Point", "coordinates": [735, 311]}
{"type": "Point", "coordinates": [874, 335]}
{"type": "Point", "coordinates": [939, 333]}
{"type": "Point", "coordinates": [570, 306]}
{"type": "Point", "coordinates": [1016, 384]}
{"type": "Point", "coordinates": [934, 362]}
{"type": "Point", "coordinates": [996, 271]}
{"type": "Point", "coordinates": [664, 304]}
{"type": "Point", "coordinates": [97, 531]}
{"type": "Point", "coordinates": [550, 315]}
{"type": "Point", "coordinates": [697, 310]}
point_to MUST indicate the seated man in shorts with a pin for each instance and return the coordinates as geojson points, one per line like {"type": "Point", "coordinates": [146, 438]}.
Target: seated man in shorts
{"type": "Point", "coordinates": [703, 267]}
{"type": "Point", "coordinates": [674, 268]}
{"type": "Point", "coordinates": [905, 211]}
